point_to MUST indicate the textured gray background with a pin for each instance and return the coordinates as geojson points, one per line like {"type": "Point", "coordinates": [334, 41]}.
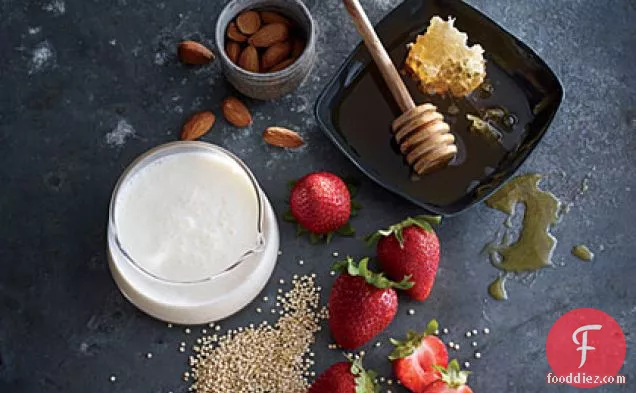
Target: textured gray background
{"type": "Point", "coordinates": [85, 86]}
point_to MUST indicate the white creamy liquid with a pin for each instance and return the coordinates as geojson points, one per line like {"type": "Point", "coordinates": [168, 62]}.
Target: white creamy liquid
{"type": "Point", "coordinates": [188, 216]}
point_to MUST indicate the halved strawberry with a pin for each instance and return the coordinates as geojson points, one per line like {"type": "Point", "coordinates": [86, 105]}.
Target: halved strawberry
{"type": "Point", "coordinates": [453, 380]}
{"type": "Point", "coordinates": [415, 358]}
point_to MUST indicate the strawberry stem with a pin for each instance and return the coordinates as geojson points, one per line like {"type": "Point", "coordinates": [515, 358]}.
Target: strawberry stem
{"type": "Point", "coordinates": [378, 280]}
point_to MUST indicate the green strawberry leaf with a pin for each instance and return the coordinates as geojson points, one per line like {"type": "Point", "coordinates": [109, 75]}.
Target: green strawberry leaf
{"type": "Point", "coordinates": [300, 230]}
{"type": "Point", "coordinates": [346, 230]}
{"type": "Point", "coordinates": [378, 280]}
{"type": "Point", "coordinates": [413, 340]}
{"type": "Point", "coordinates": [292, 183]}
{"type": "Point", "coordinates": [453, 376]}
{"type": "Point", "coordinates": [422, 221]}
{"type": "Point", "coordinates": [314, 238]}
{"type": "Point", "coordinates": [364, 379]}
{"type": "Point", "coordinates": [289, 217]}
{"type": "Point", "coordinates": [329, 237]}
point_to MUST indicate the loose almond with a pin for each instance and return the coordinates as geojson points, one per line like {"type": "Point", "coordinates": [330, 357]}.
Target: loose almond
{"type": "Point", "coordinates": [249, 59]}
{"type": "Point", "coordinates": [197, 126]}
{"type": "Point", "coordinates": [282, 65]}
{"type": "Point", "coordinates": [236, 113]}
{"type": "Point", "coordinates": [191, 52]}
{"type": "Point", "coordinates": [270, 34]}
{"type": "Point", "coordinates": [233, 50]}
{"type": "Point", "coordinates": [234, 34]}
{"type": "Point", "coordinates": [269, 17]}
{"type": "Point", "coordinates": [248, 22]}
{"type": "Point", "coordinates": [275, 54]}
{"type": "Point", "coordinates": [298, 47]}
{"type": "Point", "coordinates": [282, 137]}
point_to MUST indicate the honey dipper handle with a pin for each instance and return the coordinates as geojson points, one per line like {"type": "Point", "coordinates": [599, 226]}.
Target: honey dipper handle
{"type": "Point", "coordinates": [380, 56]}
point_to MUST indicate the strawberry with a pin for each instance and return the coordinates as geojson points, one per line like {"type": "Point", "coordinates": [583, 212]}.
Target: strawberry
{"type": "Point", "coordinates": [453, 380]}
{"type": "Point", "coordinates": [410, 248]}
{"type": "Point", "coordinates": [361, 304]}
{"type": "Point", "coordinates": [320, 203]}
{"type": "Point", "coordinates": [414, 358]}
{"type": "Point", "coordinates": [345, 377]}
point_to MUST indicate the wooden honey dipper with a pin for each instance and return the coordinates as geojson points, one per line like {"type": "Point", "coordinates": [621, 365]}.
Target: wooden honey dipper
{"type": "Point", "coordinates": [423, 136]}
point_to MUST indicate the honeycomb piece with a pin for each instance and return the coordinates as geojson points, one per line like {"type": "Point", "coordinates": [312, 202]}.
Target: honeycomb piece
{"type": "Point", "coordinates": [441, 61]}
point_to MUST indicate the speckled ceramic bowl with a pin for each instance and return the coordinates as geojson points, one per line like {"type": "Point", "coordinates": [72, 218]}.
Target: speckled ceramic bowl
{"type": "Point", "coordinates": [265, 86]}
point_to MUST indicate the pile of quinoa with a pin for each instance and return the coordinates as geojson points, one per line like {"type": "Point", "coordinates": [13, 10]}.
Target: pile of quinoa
{"type": "Point", "coordinates": [263, 358]}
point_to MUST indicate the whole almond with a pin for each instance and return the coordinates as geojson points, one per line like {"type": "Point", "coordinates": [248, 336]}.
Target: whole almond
{"type": "Point", "coordinates": [268, 35]}
{"type": "Point", "coordinates": [282, 137]}
{"type": "Point", "coordinates": [233, 50]}
{"type": "Point", "coordinates": [274, 17]}
{"type": "Point", "coordinates": [249, 59]}
{"type": "Point", "coordinates": [298, 47]}
{"type": "Point", "coordinates": [282, 65]}
{"type": "Point", "coordinates": [191, 52]}
{"type": "Point", "coordinates": [197, 126]}
{"type": "Point", "coordinates": [236, 113]}
{"type": "Point", "coordinates": [248, 22]}
{"type": "Point", "coordinates": [234, 34]}
{"type": "Point", "coordinates": [275, 54]}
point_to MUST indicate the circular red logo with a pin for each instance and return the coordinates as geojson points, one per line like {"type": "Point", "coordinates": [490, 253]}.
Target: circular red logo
{"type": "Point", "coordinates": [585, 348]}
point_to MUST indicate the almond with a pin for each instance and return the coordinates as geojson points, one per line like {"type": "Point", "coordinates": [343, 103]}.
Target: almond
{"type": "Point", "coordinates": [298, 47]}
{"type": "Point", "coordinates": [236, 113]}
{"type": "Point", "coordinates": [274, 17]}
{"type": "Point", "coordinates": [191, 52]}
{"type": "Point", "coordinates": [234, 34]}
{"type": "Point", "coordinates": [249, 59]}
{"type": "Point", "coordinates": [248, 22]}
{"type": "Point", "coordinates": [268, 35]}
{"type": "Point", "coordinates": [282, 65]}
{"type": "Point", "coordinates": [282, 137]}
{"type": "Point", "coordinates": [197, 126]}
{"type": "Point", "coordinates": [275, 54]}
{"type": "Point", "coordinates": [233, 50]}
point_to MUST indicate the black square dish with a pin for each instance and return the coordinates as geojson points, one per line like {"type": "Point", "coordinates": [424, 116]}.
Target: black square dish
{"type": "Point", "coordinates": [356, 110]}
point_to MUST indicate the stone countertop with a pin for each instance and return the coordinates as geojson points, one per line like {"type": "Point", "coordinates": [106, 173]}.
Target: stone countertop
{"type": "Point", "coordinates": [86, 86]}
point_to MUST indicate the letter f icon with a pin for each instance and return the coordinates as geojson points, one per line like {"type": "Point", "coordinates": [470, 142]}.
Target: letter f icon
{"type": "Point", "coordinates": [584, 347]}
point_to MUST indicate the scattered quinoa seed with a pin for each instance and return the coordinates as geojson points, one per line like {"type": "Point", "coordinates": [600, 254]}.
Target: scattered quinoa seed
{"type": "Point", "coordinates": [475, 332]}
{"type": "Point", "coordinates": [411, 312]}
{"type": "Point", "coordinates": [445, 331]}
{"type": "Point", "coordinates": [467, 364]}
{"type": "Point", "coordinates": [477, 355]}
{"type": "Point", "coordinates": [169, 325]}
{"type": "Point", "coordinates": [264, 357]}
{"type": "Point", "coordinates": [468, 334]}
{"type": "Point", "coordinates": [149, 355]}
{"type": "Point", "coordinates": [187, 331]}
{"type": "Point", "coordinates": [451, 344]}
{"type": "Point", "coordinates": [474, 344]}
{"type": "Point", "coordinates": [486, 331]}
{"type": "Point", "coordinates": [113, 378]}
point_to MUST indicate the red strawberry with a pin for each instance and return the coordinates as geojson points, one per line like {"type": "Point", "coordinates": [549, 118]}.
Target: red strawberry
{"type": "Point", "coordinates": [410, 248]}
{"type": "Point", "coordinates": [345, 377]}
{"type": "Point", "coordinates": [414, 359]}
{"type": "Point", "coordinates": [453, 380]}
{"type": "Point", "coordinates": [321, 203]}
{"type": "Point", "coordinates": [361, 304]}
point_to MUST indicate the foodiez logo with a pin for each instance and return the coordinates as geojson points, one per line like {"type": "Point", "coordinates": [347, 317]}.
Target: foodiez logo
{"type": "Point", "coordinates": [586, 348]}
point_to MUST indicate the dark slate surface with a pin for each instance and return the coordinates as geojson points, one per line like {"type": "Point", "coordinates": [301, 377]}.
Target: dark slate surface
{"type": "Point", "coordinates": [86, 86]}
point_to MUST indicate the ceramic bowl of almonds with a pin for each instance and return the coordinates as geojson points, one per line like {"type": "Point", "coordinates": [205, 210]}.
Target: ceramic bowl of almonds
{"type": "Point", "coordinates": [266, 47]}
